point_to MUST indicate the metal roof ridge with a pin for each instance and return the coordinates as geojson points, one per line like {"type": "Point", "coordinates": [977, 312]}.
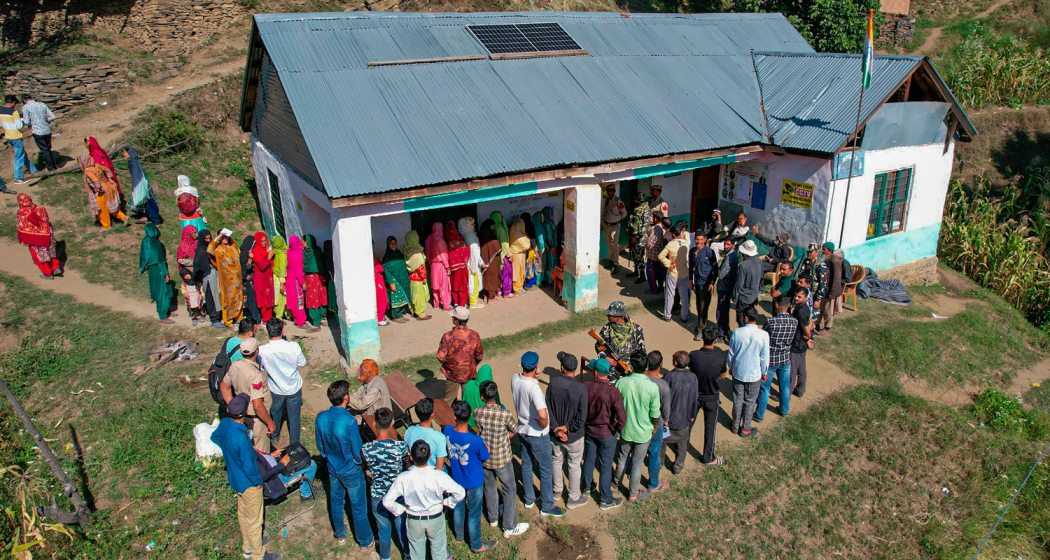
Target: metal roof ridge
{"type": "Point", "coordinates": [914, 58]}
{"type": "Point", "coordinates": [276, 17]}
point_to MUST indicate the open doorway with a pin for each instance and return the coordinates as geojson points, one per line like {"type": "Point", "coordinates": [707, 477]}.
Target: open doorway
{"type": "Point", "coordinates": [705, 194]}
{"type": "Point", "coordinates": [423, 220]}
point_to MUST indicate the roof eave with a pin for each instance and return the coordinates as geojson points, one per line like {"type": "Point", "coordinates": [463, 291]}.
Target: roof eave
{"type": "Point", "coordinates": [253, 61]}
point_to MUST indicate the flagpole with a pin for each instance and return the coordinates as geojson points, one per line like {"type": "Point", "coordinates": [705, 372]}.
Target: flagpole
{"type": "Point", "coordinates": [856, 125]}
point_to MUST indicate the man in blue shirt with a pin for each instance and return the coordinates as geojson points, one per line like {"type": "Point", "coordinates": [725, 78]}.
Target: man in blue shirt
{"type": "Point", "coordinates": [467, 453]}
{"type": "Point", "coordinates": [703, 269]}
{"type": "Point", "coordinates": [245, 330]}
{"type": "Point", "coordinates": [427, 430]}
{"type": "Point", "coordinates": [233, 437]}
{"type": "Point", "coordinates": [339, 442]}
{"type": "Point", "coordinates": [749, 362]}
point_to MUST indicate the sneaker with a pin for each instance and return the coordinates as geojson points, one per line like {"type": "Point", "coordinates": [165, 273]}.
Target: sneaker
{"type": "Point", "coordinates": [493, 523]}
{"type": "Point", "coordinates": [749, 433]}
{"type": "Point", "coordinates": [615, 503]}
{"type": "Point", "coordinates": [485, 546]}
{"type": "Point", "coordinates": [756, 419]}
{"type": "Point", "coordinates": [529, 505]}
{"type": "Point", "coordinates": [716, 462]}
{"type": "Point", "coordinates": [271, 556]}
{"type": "Point", "coordinates": [664, 485]}
{"type": "Point", "coordinates": [641, 496]}
{"type": "Point", "coordinates": [553, 512]}
{"type": "Point", "coordinates": [518, 529]}
{"type": "Point", "coordinates": [340, 541]}
{"type": "Point", "coordinates": [577, 503]}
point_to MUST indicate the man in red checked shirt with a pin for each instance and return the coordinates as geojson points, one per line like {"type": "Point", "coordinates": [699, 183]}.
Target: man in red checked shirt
{"type": "Point", "coordinates": [460, 351]}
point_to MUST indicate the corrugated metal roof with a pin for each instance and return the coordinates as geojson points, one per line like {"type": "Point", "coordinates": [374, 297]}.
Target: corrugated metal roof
{"type": "Point", "coordinates": [651, 85]}
{"type": "Point", "coordinates": [811, 99]}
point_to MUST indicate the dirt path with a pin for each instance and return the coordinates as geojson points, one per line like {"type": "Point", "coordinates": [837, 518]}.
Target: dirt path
{"type": "Point", "coordinates": [927, 46]}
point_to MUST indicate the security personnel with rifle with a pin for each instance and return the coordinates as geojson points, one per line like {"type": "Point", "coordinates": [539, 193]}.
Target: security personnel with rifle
{"type": "Point", "coordinates": [620, 340]}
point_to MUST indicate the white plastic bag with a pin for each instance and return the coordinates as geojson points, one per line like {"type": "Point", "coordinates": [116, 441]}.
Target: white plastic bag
{"type": "Point", "coordinates": [207, 451]}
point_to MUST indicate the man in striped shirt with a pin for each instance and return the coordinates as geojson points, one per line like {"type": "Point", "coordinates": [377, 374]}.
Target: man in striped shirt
{"type": "Point", "coordinates": [781, 328]}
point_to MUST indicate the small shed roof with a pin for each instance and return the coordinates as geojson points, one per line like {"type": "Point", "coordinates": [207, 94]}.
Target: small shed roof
{"type": "Point", "coordinates": [649, 85]}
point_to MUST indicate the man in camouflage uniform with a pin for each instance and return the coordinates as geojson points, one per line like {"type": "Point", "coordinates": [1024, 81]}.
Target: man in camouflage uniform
{"type": "Point", "coordinates": [639, 224]}
{"type": "Point", "coordinates": [816, 269]}
{"type": "Point", "coordinates": [622, 337]}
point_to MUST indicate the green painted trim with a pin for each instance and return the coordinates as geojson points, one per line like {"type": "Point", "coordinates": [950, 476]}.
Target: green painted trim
{"type": "Point", "coordinates": [459, 198]}
{"type": "Point", "coordinates": [581, 294]}
{"type": "Point", "coordinates": [360, 340]}
{"type": "Point", "coordinates": [669, 168]}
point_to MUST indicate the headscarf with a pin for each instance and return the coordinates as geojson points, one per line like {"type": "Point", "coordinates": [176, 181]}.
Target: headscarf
{"type": "Point", "coordinates": [246, 253]}
{"type": "Point", "coordinates": [140, 191]}
{"type": "Point", "coordinates": [151, 251]}
{"type": "Point", "coordinates": [280, 256]}
{"type": "Point", "coordinates": [541, 231]}
{"type": "Point", "coordinates": [466, 229]}
{"type": "Point", "coordinates": [548, 225]}
{"type": "Point", "coordinates": [201, 259]}
{"type": "Point", "coordinates": [311, 264]}
{"type": "Point", "coordinates": [34, 226]}
{"type": "Point", "coordinates": [99, 156]}
{"type": "Point", "coordinates": [295, 257]}
{"type": "Point", "coordinates": [188, 243]}
{"type": "Point", "coordinates": [472, 389]}
{"type": "Point", "coordinates": [501, 232]}
{"type": "Point", "coordinates": [261, 249]}
{"type": "Point", "coordinates": [488, 231]}
{"type": "Point", "coordinates": [414, 256]}
{"type": "Point", "coordinates": [395, 255]}
{"type": "Point", "coordinates": [530, 228]}
{"type": "Point", "coordinates": [436, 245]}
{"type": "Point", "coordinates": [452, 237]}
{"type": "Point", "coordinates": [519, 241]}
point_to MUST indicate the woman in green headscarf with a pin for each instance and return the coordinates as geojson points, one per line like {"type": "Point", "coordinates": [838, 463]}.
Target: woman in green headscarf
{"type": "Point", "coordinates": [395, 276]}
{"type": "Point", "coordinates": [316, 290]}
{"type": "Point", "coordinates": [280, 270]}
{"type": "Point", "coordinates": [153, 260]}
{"type": "Point", "coordinates": [416, 264]}
{"type": "Point", "coordinates": [543, 275]}
{"type": "Point", "coordinates": [472, 390]}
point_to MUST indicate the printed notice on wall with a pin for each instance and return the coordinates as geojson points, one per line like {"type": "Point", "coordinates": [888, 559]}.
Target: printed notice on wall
{"type": "Point", "coordinates": [796, 193]}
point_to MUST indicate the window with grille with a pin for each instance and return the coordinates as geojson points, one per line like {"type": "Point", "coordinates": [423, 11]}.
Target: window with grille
{"type": "Point", "coordinates": [889, 205]}
{"type": "Point", "coordinates": [276, 204]}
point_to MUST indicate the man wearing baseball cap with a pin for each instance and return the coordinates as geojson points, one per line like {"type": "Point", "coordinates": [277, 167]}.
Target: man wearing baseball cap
{"type": "Point", "coordinates": [245, 377]}
{"type": "Point", "coordinates": [567, 401]}
{"type": "Point", "coordinates": [460, 351]}
{"type": "Point", "coordinates": [620, 337]}
{"type": "Point", "coordinates": [534, 429]}
{"type": "Point", "coordinates": [605, 418]}
{"type": "Point", "coordinates": [231, 436]}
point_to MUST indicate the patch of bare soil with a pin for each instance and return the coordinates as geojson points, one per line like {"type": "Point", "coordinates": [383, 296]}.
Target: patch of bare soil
{"type": "Point", "coordinates": [570, 542]}
{"type": "Point", "coordinates": [944, 305]}
{"type": "Point", "coordinates": [954, 281]}
{"type": "Point", "coordinates": [1009, 140]}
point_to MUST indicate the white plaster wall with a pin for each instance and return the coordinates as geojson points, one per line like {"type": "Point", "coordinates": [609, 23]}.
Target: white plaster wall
{"type": "Point", "coordinates": [385, 226]}
{"type": "Point", "coordinates": [932, 172]}
{"type": "Point", "coordinates": [313, 219]}
{"type": "Point", "coordinates": [678, 192]}
{"type": "Point", "coordinates": [306, 210]}
{"type": "Point", "coordinates": [511, 207]}
{"type": "Point", "coordinates": [806, 225]}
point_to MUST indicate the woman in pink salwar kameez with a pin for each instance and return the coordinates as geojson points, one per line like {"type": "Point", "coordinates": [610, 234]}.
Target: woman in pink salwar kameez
{"type": "Point", "coordinates": [437, 258]}
{"type": "Point", "coordinates": [295, 282]}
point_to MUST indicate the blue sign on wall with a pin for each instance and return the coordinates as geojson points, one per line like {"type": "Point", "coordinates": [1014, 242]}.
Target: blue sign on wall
{"type": "Point", "coordinates": [758, 195]}
{"type": "Point", "coordinates": [841, 169]}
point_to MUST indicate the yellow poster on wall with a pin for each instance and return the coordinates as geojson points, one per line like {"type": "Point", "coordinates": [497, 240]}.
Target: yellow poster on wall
{"type": "Point", "coordinates": [797, 194]}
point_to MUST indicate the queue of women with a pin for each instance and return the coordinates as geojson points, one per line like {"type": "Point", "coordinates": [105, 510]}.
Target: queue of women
{"type": "Point", "coordinates": [460, 265]}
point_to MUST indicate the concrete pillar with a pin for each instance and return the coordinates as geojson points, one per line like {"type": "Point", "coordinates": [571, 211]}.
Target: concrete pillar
{"type": "Point", "coordinates": [355, 288]}
{"type": "Point", "coordinates": [583, 208]}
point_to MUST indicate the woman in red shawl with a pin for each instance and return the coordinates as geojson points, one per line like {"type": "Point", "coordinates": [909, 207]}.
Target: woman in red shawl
{"type": "Point", "coordinates": [458, 255]}
{"type": "Point", "coordinates": [35, 231]}
{"type": "Point", "coordinates": [100, 157]}
{"type": "Point", "coordinates": [382, 302]}
{"type": "Point", "coordinates": [262, 276]}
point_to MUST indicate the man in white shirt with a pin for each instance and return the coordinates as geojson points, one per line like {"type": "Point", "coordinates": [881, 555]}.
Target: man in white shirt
{"type": "Point", "coordinates": [425, 492]}
{"type": "Point", "coordinates": [534, 429]}
{"type": "Point", "coordinates": [613, 212]}
{"type": "Point", "coordinates": [675, 258]}
{"type": "Point", "coordinates": [749, 362]}
{"type": "Point", "coordinates": [281, 359]}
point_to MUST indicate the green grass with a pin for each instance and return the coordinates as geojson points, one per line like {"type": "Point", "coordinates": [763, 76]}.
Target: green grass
{"type": "Point", "coordinates": [861, 475]}
{"type": "Point", "coordinates": [984, 344]}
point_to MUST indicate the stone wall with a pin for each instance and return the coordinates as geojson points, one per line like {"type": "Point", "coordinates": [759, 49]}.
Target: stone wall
{"type": "Point", "coordinates": [895, 31]}
{"type": "Point", "coordinates": [922, 272]}
{"type": "Point", "coordinates": [62, 92]}
{"type": "Point", "coordinates": [160, 26]}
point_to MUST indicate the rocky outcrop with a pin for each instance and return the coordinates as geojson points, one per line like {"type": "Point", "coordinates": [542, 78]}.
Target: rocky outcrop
{"type": "Point", "coordinates": [895, 31]}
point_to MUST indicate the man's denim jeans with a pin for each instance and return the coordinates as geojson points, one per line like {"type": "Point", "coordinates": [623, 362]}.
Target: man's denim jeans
{"type": "Point", "coordinates": [602, 451]}
{"type": "Point", "coordinates": [292, 405]}
{"type": "Point", "coordinates": [655, 458]}
{"type": "Point", "coordinates": [468, 511]}
{"type": "Point", "coordinates": [308, 474]}
{"type": "Point", "coordinates": [388, 526]}
{"type": "Point", "coordinates": [20, 161]}
{"type": "Point", "coordinates": [538, 452]}
{"type": "Point", "coordinates": [349, 485]}
{"type": "Point", "coordinates": [782, 373]}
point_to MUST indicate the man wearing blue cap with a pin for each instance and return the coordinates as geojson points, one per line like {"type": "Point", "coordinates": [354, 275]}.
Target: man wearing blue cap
{"type": "Point", "coordinates": [534, 429]}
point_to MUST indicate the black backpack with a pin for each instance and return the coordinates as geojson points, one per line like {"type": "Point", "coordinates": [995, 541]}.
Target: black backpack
{"type": "Point", "coordinates": [217, 371]}
{"type": "Point", "coordinates": [298, 458]}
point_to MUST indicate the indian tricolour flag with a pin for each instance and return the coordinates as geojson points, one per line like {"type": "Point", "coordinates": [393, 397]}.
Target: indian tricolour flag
{"type": "Point", "coordinates": [869, 50]}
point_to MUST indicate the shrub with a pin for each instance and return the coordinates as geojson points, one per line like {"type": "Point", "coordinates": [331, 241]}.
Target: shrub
{"type": "Point", "coordinates": [985, 70]}
{"type": "Point", "coordinates": [998, 252]}
{"type": "Point", "coordinates": [168, 131]}
{"type": "Point", "coordinates": [1003, 413]}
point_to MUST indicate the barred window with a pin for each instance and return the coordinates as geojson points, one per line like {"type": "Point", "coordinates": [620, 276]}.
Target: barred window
{"type": "Point", "coordinates": [889, 204]}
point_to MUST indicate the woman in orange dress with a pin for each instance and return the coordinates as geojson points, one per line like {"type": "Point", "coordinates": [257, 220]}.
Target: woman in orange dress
{"type": "Point", "coordinates": [231, 282]}
{"type": "Point", "coordinates": [104, 197]}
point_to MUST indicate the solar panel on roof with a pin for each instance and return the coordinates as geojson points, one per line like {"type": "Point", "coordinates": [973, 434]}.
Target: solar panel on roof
{"type": "Point", "coordinates": [524, 38]}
